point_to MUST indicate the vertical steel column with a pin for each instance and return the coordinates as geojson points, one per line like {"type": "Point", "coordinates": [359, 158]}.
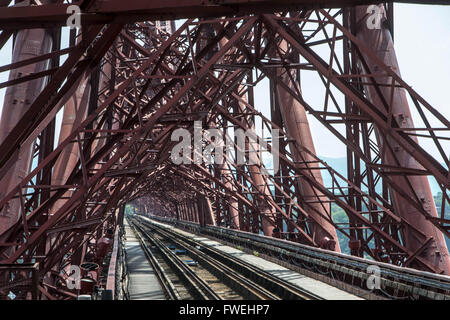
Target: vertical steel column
{"type": "Point", "coordinates": [201, 212]}
{"type": "Point", "coordinates": [181, 211]}
{"type": "Point", "coordinates": [195, 211]}
{"type": "Point", "coordinates": [281, 176]}
{"type": "Point", "coordinates": [227, 178]}
{"type": "Point", "coordinates": [188, 212]}
{"type": "Point", "coordinates": [223, 172]}
{"type": "Point", "coordinates": [191, 210]}
{"type": "Point", "coordinates": [185, 212]}
{"type": "Point", "coordinates": [74, 112]}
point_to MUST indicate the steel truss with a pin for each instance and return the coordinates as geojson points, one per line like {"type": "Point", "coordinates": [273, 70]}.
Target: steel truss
{"type": "Point", "coordinates": [146, 81]}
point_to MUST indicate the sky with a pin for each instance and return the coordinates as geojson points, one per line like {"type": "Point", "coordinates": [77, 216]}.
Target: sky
{"type": "Point", "coordinates": [422, 44]}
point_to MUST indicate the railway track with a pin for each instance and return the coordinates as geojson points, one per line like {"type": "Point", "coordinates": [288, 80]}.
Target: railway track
{"type": "Point", "coordinates": [207, 273]}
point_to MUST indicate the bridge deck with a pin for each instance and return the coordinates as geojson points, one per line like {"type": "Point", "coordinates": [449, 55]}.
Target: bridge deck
{"type": "Point", "coordinates": [319, 288]}
{"type": "Point", "coordinates": [143, 283]}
